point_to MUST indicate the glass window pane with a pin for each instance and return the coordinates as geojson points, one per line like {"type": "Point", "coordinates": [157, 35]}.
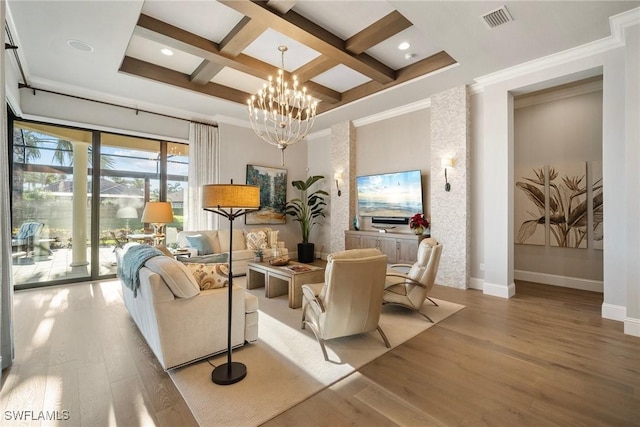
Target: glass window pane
{"type": "Point", "coordinates": [177, 186]}
{"type": "Point", "coordinates": [51, 208]}
{"type": "Point", "coordinates": [130, 176]}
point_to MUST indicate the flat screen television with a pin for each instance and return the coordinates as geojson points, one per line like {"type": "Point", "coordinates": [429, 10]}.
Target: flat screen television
{"type": "Point", "coordinates": [390, 197]}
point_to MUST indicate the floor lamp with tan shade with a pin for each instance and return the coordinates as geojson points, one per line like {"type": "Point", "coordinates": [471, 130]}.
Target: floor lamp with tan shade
{"type": "Point", "coordinates": [230, 201]}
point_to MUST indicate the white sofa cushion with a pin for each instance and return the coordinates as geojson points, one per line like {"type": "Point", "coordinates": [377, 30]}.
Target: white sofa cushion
{"type": "Point", "coordinates": [177, 277]}
{"type": "Point", "coordinates": [239, 242]}
{"type": "Point", "coordinates": [241, 256]}
{"type": "Point", "coordinates": [245, 254]}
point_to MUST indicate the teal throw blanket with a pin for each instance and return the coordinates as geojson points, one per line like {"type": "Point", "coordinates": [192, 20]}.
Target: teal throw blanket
{"type": "Point", "coordinates": [133, 260]}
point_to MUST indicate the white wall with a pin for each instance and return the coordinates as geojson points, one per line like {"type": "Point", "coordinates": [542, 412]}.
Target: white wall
{"type": "Point", "coordinates": [11, 77]}
{"type": "Point", "coordinates": [375, 154]}
{"type": "Point", "coordinates": [396, 144]}
{"type": "Point", "coordinates": [497, 159]}
{"type": "Point", "coordinates": [612, 60]}
{"type": "Point", "coordinates": [477, 200]}
{"type": "Point", "coordinates": [239, 147]}
{"type": "Point", "coordinates": [554, 132]}
{"type": "Point", "coordinates": [632, 130]}
{"type": "Point", "coordinates": [6, 291]}
{"type": "Point", "coordinates": [614, 171]}
{"type": "Point", "coordinates": [389, 144]}
{"type": "Point", "coordinates": [75, 112]}
{"type": "Point", "coordinates": [319, 161]}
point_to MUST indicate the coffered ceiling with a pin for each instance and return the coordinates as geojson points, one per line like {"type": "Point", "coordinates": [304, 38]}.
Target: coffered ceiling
{"type": "Point", "coordinates": [232, 56]}
{"type": "Point", "coordinates": [345, 52]}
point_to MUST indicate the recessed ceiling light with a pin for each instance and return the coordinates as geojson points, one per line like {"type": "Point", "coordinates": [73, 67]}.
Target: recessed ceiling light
{"type": "Point", "coordinates": [80, 45]}
{"type": "Point", "coordinates": [166, 51]}
{"type": "Point", "coordinates": [404, 45]}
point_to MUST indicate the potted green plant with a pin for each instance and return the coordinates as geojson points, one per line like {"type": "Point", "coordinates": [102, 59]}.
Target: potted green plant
{"type": "Point", "coordinates": [258, 255]}
{"type": "Point", "coordinates": [307, 209]}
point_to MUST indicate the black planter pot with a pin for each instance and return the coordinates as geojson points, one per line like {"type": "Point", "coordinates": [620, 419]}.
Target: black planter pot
{"type": "Point", "coordinates": [306, 252]}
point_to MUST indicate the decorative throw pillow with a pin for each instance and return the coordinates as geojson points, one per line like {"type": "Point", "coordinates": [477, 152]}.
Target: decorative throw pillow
{"type": "Point", "coordinates": [201, 243]}
{"type": "Point", "coordinates": [210, 276]}
{"type": "Point", "coordinates": [256, 240]}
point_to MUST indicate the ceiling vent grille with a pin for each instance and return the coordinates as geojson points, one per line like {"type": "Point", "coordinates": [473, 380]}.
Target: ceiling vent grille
{"type": "Point", "coordinates": [497, 17]}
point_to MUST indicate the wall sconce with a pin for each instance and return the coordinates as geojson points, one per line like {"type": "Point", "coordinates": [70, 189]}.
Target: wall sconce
{"type": "Point", "coordinates": [338, 177]}
{"type": "Point", "coordinates": [446, 162]}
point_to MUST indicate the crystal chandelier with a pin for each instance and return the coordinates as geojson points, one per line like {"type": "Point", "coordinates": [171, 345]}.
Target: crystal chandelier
{"type": "Point", "coordinates": [280, 113]}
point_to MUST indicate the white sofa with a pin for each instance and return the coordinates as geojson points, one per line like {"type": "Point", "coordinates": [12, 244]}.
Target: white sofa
{"type": "Point", "coordinates": [180, 322]}
{"type": "Point", "coordinates": [241, 252]}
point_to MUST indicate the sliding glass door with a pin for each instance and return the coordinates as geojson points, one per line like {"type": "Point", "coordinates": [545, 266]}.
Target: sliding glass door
{"type": "Point", "coordinates": [50, 209]}
{"type": "Point", "coordinates": [65, 228]}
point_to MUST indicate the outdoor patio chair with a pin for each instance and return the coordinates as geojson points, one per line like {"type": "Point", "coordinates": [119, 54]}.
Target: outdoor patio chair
{"type": "Point", "coordinates": [26, 236]}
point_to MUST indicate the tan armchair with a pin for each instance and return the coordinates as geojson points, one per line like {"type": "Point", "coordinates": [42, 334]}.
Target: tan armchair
{"type": "Point", "coordinates": [350, 300]}
{"type": "Point", "coordinates": [411, 289]}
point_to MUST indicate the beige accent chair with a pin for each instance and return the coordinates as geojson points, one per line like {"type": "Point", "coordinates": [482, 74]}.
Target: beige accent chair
{"type": "Point", "coordinates": [411, 289]}
{"type": "Point", "coordinates": [349, 302]}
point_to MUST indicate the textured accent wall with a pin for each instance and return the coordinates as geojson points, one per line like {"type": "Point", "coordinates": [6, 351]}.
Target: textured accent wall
{"type": "Point", "coordinates": [343, 160]}
{"type": "Point", "coordinates": [450, 221]}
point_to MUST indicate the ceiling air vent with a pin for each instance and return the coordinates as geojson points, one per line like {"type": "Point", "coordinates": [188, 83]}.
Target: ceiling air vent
{"type": "Point", "coordinates": [497, 17]}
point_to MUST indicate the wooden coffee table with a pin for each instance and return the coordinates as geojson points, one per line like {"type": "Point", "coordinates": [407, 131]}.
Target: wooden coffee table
{"type": "Point", "coordinates": [286, 279]}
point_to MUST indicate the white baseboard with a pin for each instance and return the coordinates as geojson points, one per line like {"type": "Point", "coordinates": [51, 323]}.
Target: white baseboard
{"type": "Point", "coordinates": [614, 312]}
{"type": "Point", "coordinates": [499, 290]}
{"type": "Point", "coordinates": [609, 311]}
{"type": "Point", "coordinates": [632, 326]}
{"type": "Point", "coordinates": [555, 280]}
{"type": "Point", "coordinates": [476, 283]}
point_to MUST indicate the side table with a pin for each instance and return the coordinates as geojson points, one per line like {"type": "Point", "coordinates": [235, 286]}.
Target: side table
{"type": "Point", "coordinates": [177, 254]}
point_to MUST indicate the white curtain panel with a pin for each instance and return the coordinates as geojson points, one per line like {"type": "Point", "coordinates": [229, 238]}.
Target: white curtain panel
{"type": "Point", "coordinates": [204, 157]}
{"type": "Point", "coordinates": [6, 293]}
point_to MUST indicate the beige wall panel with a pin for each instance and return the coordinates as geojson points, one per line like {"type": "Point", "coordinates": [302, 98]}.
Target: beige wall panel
{"type": "Point", "coordinates": [450, 219]}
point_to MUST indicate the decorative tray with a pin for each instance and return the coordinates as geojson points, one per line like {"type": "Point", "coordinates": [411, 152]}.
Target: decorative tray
{"type": "Point", "coordinates": [279, 261]}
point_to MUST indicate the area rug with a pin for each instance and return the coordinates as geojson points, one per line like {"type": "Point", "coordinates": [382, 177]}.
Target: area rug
{"type": "Point", "coordinates": [286, 365]}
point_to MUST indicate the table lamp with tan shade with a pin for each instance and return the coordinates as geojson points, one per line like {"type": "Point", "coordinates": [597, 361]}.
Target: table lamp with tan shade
{"type": "Point", "coordinates": [158, 214]}
{"type": "Point", "coordinates": [230, 201]}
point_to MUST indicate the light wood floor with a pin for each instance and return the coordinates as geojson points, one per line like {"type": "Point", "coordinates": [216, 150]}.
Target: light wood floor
{"type": "Point", "coordinates": [544, 357]}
